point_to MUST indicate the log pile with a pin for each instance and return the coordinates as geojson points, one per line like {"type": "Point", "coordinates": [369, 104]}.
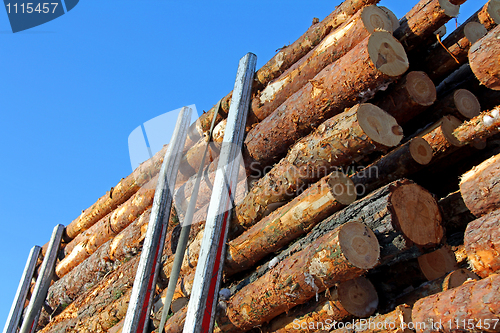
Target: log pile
{"type": "Point", "coordinates": [374, 197]}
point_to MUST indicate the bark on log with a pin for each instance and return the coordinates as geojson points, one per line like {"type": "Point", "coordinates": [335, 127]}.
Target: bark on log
{"type": "Point", "coordinates": [455, 213]}
{"type": "Point", "coordinates": [422, 20]}
{"type": "Point", "coordinates": [480, 127]}
{"type": "Point", "coordinates": [482, 241]}
{"type": "Point", "coordinates": [408, 98]}
{"type": "Point", "coordinates": [174, 324]}
{"type": "Point", "coordinates": [370, 66]}
{"type": "Point", "coordinates": [484, 58]}
{"type": "Point", "coordinates": [363, 129]}
{"type": "Point", "coordinates": [312, 37]}
{"type": "Point", "coordinates": [334, 46]}
{"type": "Point", "coordinates": [437, 263]}
{"type": "Point", "coordinates": [440, 137]}
{"type": "Point", "coordinates": [489, 15]}
{"type": "Point", "coordinates": [468, 307]}
{"type": "Point", "coordinates": [355, 297]}
{"type": "Point", "coordinates": [340, 255]}
{"type": "Point", "coordinates": [288, 222]}
{"type": "Point", "coordinates": [480, 187]}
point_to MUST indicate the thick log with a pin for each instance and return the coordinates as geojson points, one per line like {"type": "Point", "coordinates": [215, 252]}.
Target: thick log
{"type": "Point", "coordinates": [420, 23]}
{"type": "Point", "coordinates": [455, 213]}
{"type": "Point", "coordinates": [361, 130]}
{"type": "Point", "coordinates": [340, 255]}
{"type": "Point", "coordinates": [408, 98]}
{"type": "Point", "coordinates": [106, 229]}
{"type": "Point", "coordinates": [474, 306]}
{"type": "Point", "coordinates": [474, 31]}
{"type": "Point", "coordinates": [353, 298]}
{"type": "Point", "coordinates": [288, 222]}
{"type": "Point", "coordinates": [334, 46]}
{"type": "Point", "coordinates": [482, 241]}
{"type": "Point", "coordinates": [437, 263]}
{"type": "Point", "coordinates": [489, 15]}
{"type": "Point", "coordinates": [483, 59]}
{"type": "Point", "coordinates": [367, 68]}
{"type": "Point", "coordinates": [392, 17]}
{"type": "Point", "coordinates": [480, 188]}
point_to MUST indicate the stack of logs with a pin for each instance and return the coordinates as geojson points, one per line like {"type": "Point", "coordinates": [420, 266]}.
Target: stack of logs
{"type": "Point", "coordinates": [355, 131]}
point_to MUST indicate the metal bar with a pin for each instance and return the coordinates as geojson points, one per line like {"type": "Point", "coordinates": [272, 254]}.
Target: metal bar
{"type": "Point", "coordinates": [201, 307]}
{"type": "Point", "coordinates": [136, 319]}
{"type": "Point", "coordinates": [17, 307]}
{"type": "Point", "coordinates": [43, 282]}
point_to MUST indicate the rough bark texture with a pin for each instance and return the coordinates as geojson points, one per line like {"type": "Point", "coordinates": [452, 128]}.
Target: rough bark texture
{"type": "Point", "coordinates": [354, 78]}
{"type": "Point", "coordinates": [481, 127]}
{"type": "Point", "coordinates": [419, 24]}
{"type": "Point", "coordinates": [466, 308]}
{"type": "Point", "coordinates": [489, 15]}
{"type": "Point", "coordinates": [336, 143]}
{"type": "Point", "coordinates": [440, 136]}
{"type": "Point", "coordinates": [305, 274]}
{"type": "Point", "coordinates": [455, 213]}
{"type": "Point", "coordinates": [482, 244]}
{"type": "Point", "coordinates": [484, 58]}
{"type": "Point", "coordinates": [480, 187]}
{"type": "Point", "coordinates": [334, 46]}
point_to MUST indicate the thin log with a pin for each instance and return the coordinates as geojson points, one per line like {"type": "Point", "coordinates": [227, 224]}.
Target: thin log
{"type": "Point", "coordinates": [483, 59]}
{"type": "Point", "coordinates": [334, 46]}
{"type": "Point", "coordinates": [489, 15]}
{"type": "Point", "coordinates": [480, 188]}
{"type": "Point", "coordinates": [370, 66]}
{"type": "Point", "coordinates": [480, 127]}
{"type": "Point", "coordinates": [482, 241]}
{"type": "Point", "coordinates": [361, 130]}
{"type": "Point", "coordinates": [468, 307]}
{"type": "Point", "coordinates": [340, 255]}
{"type": "Point", "coordinates": [437, 263]}
{"type": "Point", "coordinates": [440, 136]}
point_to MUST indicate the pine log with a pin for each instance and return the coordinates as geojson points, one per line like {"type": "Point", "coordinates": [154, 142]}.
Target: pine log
{"type": "Point", "coordinates": [452, 280]}
{"type": "Point", "coordinates": [352, 298]}
{"type": "Point", "coordinates": [289, 55]}
{"type": "Point", "coordinates": [440, 136]}
{"type": "Point", "coordinates": [480, 127]}
{"type": "Point", "coordinates": [483, 59]}
{"type": "Point", "coordinates": [361, 130]}
{"type": "Point", "coordinates": [420, 23]}
{"type": "Point", "coordinates": [474, 31]}
{"type": "Point", "coordinates": [482, 241]}
{"type": "Point", "coordinates": [392, 17]}
{"type": "Point", "coordinates": [340, 255]}
{"type": "Point", "coordinates": [288, 222]}
{"type": "Point", "coordinates": [368, 67]}
{"type": "Point", "coordinates": [480, 188]}
{"type": "Point", "coordinates": [334, 46]}
{"type": "Point", "coordinates": [174, 324]}
{"type": "Point", "coordinates": [437, 263]}
{"type": "Point", "coordinates": [474, 306]}
{"type": "Point", "coordinates": [408, 98]}
{"type": "Point", "coordinates": [489, 15]}
{"type": "Point", "coordinates": [396, 321]}
{"type": "Point", "coordinates": [455, 213]}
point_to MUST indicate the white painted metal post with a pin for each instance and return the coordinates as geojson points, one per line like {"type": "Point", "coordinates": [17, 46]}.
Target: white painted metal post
{"type": "Point", "coordinates": [136, 319]}
{"type": "Point", "coordinates": [201, 308]}
{"type": "Point", "coordinates": [43, 282]}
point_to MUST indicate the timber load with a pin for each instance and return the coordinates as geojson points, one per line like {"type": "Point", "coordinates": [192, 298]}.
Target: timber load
{"type": "Point", "coordinates": [368, 199]}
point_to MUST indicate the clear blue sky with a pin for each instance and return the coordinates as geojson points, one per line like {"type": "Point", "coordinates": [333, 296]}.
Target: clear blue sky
{"type": "Point", "coordinates": [73, 89]}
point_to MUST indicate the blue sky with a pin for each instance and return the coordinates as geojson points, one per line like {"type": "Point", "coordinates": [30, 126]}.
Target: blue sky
{"type": "Point", "coordinates": [73, 89]}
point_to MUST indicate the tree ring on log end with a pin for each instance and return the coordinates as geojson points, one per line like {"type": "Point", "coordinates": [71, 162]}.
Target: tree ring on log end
{"type": "Point", "coordinates": [392, 17]}
{"type": "Point", "coordinates": [474, 31]}
{"type": "Point", "coordinates": [358, 297]}
{"type": "Point", "coordinates": [378, 125]}
{"type": "Point", "coordinates": [359, 245]}
{"type": "Point", "coordinates": [448, 125]}
{"type": "Point", "coordinates": [387, 53]}
{"type": "Point", "coordinates": [458, 277]}
{"type": "Point", "coordinates": [421, 88]}
{"type": "Point", "coordinates": [466, 103]}
{"type": "Point", "coordinates": [494, 10]}
{"type": "Point", "coordinates": [437, 263]}
{"type": "Point", "coordinates": [421, 151]}
{"type": "Point", "coordinates": [417, 214]}
{"type": "Point", "coordinates": [375, 18]}
{"type": "Point", "coordinates": [450, 9]}
{"type": "Point", "coordinates": [342, 188]}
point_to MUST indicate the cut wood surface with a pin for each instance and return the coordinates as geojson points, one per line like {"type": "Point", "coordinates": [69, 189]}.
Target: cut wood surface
{"type": "Point", "coordinates": [420, 23]}
{"type": "Point", "coordinates": [480, 187]}
{"type": "Point", "coordinates": [334, 46]}
{"type": "Point", "coordinates": [440, 136]}
{"type": "Point", "coordinates": [484, 58]}
{"type": "Point", "coordinates": [482, 244]}
{"type": "Point", "coordinates": [361, 130]}
{"type": "Point", "coordinates": [340, 255]}
{"type": "Point", "coordinates": [392, 17]}
{"type": "Point", "coordinates": [437, 263]}
{"type": "Point", "coordinates": [474, 31]}
{"type": "Point", "coordinates": [476, 303]}
{"type": "Point", "coordinates": [371, 65]}
{"type": "Point", "coordinates": [489, 15]}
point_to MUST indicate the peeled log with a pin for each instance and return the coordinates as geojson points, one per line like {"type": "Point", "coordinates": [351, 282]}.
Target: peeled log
{"type": "Point", "coordinates": [359, 131]}
{"type": "Point", "coordinates": [334, 46]}
{"type": "Point", "coordinates": [480, 187]}
{"type": "Point", "coordinates": [484, 57]}
{"type": "Point", "coordinates": [482, 244]}
{"type": "Point", "coordinates": [420, 23]}
{"type": "Point", "coordinates": [454, 309]}
{"type": "Point", "coordinates": [354, 78]}
{"type": "Point", "coordinates": [289, 222]}
{"type": "Point", "coordinates": [343, 254]}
